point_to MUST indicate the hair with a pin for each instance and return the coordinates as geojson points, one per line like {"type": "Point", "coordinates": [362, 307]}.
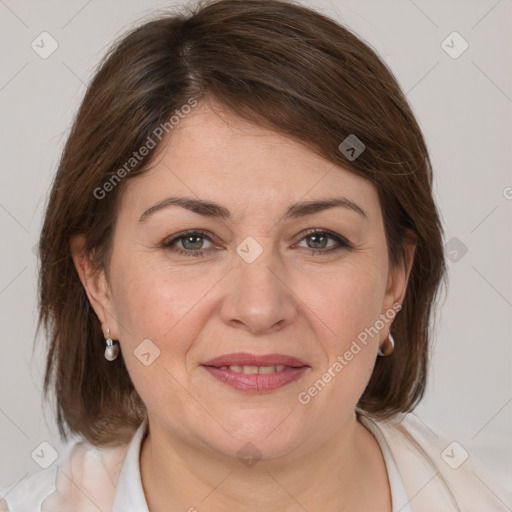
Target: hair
{"type": "Point", "coordinates": [276, 64]}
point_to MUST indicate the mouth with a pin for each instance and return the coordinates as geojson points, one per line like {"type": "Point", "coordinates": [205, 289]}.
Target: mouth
{"type": "Point", "coordinates": [256, 373]}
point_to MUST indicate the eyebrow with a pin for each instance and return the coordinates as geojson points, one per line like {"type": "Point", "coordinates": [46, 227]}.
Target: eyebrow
{"type": "Point", "coordinates": [214, 210]}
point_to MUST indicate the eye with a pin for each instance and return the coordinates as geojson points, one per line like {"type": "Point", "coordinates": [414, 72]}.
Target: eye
{"type": "Point", "coordinates": [319, 240]}
{"type": "Point", "coordinates": [191, 243]}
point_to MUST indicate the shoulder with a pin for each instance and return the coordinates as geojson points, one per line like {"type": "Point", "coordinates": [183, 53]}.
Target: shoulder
{"type": "Point", "coordinates": [82, 472]}
{"type": "Point", "coordinates": [28, 493]}
{"type": "Point", "coordinates": [433, 465]}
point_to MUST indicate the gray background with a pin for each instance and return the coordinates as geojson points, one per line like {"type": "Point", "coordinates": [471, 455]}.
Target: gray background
{"type": "Point", "coordinates": [463, 105]}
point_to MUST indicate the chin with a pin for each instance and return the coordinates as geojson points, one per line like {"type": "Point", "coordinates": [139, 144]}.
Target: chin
{"type": "Point", "coordinates": [268, 433]}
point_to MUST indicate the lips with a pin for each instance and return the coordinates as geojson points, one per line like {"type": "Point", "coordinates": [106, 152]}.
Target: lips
{"type": "Point", "coordinates": [255, 373]}
{"type": "Point", "coordinates": [247, 359]}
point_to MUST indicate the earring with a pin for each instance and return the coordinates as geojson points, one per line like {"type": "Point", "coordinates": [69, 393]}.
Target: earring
{"type": "Point", "coordinates": [112, 348]}
{"type": "Point", "coordinates": [387, 347]}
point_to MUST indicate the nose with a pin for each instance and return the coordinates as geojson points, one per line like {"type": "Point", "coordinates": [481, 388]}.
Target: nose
{"type": "Point", "coordinates": [260, 298]}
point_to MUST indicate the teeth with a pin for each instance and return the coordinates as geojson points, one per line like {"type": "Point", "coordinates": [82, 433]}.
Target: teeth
{"type": "Point", "coordinates": [254, 369]}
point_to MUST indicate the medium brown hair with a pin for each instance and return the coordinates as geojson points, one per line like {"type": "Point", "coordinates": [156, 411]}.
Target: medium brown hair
{"type": "Point", "coordinates": [279, 65]}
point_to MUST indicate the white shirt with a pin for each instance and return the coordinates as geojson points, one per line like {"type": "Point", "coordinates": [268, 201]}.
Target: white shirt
{"type": "Point", "coordinates": [399, 499]}
{"type": "Point", "coordinates": [87, 478]}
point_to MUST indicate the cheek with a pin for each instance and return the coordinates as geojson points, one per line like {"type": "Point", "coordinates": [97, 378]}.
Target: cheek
{"type": "Point", "coordinates": [154, 304]}
{"type": "Point", "coordinates": [345, 315]}
{"type": "Point", "coordinates": [161, 303]}
{"type": "Point", "coordinates": [349, 302]}
{"type": "Point", "coordinates": [345, 311]}
{"type": "Point", "coordinates": [170, 307]}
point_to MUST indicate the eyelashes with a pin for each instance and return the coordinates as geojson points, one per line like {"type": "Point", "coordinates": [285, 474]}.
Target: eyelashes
{"type": "Point", "coordinates": [170, 245]}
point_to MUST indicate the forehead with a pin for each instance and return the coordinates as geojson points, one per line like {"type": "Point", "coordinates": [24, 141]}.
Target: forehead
{"type": "Point", "coordinates": [214, 155]}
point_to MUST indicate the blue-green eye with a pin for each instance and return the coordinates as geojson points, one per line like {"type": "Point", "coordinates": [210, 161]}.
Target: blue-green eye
{"type": "Point", "coordinates": [320, 240]}
{"type": "Point", "coordinates": [191, 241]}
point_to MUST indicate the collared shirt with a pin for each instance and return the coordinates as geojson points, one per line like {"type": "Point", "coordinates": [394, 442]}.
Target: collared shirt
{"type": "Point", "coordinates": [88, 478]}
{"type": "Point", "coordinates": [399, 499]}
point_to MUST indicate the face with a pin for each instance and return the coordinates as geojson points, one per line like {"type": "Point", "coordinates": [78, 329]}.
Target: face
{"type": "Point", "coordinates": [284, 288]}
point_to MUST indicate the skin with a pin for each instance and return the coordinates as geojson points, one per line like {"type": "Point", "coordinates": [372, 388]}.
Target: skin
{"type": "Point", "coordinates": [287, 301]}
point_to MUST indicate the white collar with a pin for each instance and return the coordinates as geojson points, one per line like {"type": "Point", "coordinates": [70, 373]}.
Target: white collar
{"type": "Point", "coordinates": [129, 491]}
{"type": "Point", "coordinates": [399, 496]}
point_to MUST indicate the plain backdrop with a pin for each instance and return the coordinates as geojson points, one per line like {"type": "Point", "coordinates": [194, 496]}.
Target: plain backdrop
{"type": "Point", "coordinates": [463, 104]}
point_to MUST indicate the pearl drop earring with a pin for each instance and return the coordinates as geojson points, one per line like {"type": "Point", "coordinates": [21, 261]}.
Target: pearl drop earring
{"type": "Point", "coordinates": [112, 348]}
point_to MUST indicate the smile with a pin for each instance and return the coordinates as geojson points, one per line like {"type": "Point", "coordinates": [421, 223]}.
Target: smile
{"type": "Point", "coordinates": [255, 373]}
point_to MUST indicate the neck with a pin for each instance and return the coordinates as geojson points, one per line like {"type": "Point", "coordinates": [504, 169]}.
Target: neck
{"type": "Point", "coordinates": [340, 475]}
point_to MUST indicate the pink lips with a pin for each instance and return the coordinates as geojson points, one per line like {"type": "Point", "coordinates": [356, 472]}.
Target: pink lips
{"type": "Point", "coordinates": [255, 382]}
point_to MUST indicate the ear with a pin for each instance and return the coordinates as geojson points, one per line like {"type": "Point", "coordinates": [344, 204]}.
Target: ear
{"type": "Point", "coordinates": [399, 276]}
{"type": "Point", "coordinates": [95, 284]}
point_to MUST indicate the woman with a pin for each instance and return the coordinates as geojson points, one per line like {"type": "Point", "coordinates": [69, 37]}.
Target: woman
{"type": "Point", "coordinates": [239, 262]}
